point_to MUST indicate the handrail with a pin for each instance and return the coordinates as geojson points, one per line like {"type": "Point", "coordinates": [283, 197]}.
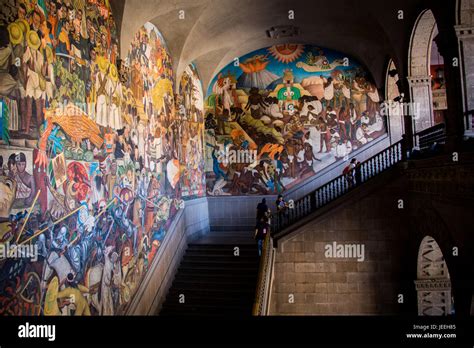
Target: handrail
{"type": "Point", "coordinates": [340, 185]}
{"type": "Point", "coordinates": [429, 136]}
{"type": "Point", "coordinates": [262, 292]}
{"type": "Point", "coordinates": [431, 129]}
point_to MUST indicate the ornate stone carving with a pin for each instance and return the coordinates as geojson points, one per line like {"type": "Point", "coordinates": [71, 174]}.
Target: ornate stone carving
{"type": "Point", "coordinates": [433, 284]}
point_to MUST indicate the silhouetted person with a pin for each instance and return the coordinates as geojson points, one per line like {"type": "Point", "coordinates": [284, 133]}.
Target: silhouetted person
{"type": "Point", "coordinates": [261, 231]}
{"type": "Point", "coordinates": [349, 172]}
{"type": "Point", "coordinates": [262, 210]}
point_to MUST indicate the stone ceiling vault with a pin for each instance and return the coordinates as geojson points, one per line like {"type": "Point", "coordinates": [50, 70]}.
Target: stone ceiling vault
{"type": "Point", "coordinates": [214, 32]}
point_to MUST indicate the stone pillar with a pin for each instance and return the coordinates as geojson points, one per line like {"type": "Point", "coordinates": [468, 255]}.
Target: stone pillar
{"type": "Point", "coordinates": [421, 106]}
{"type": "Point", "coordinates": [434, 297]}
{"type": "Point", "coordinates": [447, 43]}
{"type": "Point", "coordinates": [465, 36]}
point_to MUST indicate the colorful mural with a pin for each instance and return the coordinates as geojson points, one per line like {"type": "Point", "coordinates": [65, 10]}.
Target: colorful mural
{"type": "Point", "coordinates": [191, 126]}
{"type": "Point", "coordinates": [92, 167]}
{"type": "Point", "coordinates": [279, 115]}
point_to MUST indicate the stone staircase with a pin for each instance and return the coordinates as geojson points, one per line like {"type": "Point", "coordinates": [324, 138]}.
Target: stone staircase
{"type": "Point", "coordinates": [216, 277]}
{"type": "Point", "coordinates": [219, 272]}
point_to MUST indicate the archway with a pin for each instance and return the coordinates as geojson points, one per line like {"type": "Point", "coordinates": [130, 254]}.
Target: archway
{"type": "Point", "coordinates": [426, 67]}
{"type": "Point", "coordinates": [393, 106]}
{"type": "Point", "coordinates": [433, 284]}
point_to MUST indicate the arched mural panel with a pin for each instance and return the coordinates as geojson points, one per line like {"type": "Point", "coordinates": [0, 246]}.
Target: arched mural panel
{"type": "Point", "coordinates": [281, 114]}
{"type": "Point", "coordinates": [92, 168]}
{"type": "Point", "coordinates": [191, 120]}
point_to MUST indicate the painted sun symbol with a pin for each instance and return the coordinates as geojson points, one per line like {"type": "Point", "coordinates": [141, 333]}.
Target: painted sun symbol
{"type": "Point", "coordinates": [286, 53]}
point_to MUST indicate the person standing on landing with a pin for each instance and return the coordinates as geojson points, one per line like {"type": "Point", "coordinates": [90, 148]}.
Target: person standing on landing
{"type": "Point", "coordinates": [262, 210]}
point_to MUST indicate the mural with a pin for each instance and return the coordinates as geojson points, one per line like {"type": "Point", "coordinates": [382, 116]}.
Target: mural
{"type": "Point", "coordinates": [92, 170]}
{"type": "Point", "coordinates": [190, 122]}
{"type": "Point", "coordinates": [279, 115]}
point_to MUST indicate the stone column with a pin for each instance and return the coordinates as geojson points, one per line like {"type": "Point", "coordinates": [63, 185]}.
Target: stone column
{"type": "Point", "coordinates": [447, 43]}
{"type": "Point", "coordinates": [434, 297]}
{"type": "Point", "coordinates": [404, 90]}
{"type": "Point", "coordinates": [421, 107]}
{"type": "Point", "coordinates": [465, 36]}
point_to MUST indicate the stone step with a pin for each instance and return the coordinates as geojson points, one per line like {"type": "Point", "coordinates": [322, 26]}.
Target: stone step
{"type": "Point", "coordinates": [221, 258]}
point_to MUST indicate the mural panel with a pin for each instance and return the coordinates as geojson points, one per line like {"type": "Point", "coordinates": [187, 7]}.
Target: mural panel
{"type": "Point", "coordinates": [92, 169]}
{"type": "Point", "coordinates": [191, 124]}
{"type": "Point", "coordinates": [281, 114]}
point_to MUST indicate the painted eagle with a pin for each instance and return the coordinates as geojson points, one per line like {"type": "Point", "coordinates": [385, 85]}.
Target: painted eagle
{"type": "Point", "coordinates": [74, 123]}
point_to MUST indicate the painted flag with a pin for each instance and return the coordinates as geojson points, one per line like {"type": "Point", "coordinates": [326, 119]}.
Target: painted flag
{"type": "Point", "coordinates": [4, 121]}
{"type": "Point", "coordinates": [51, 176]}
{"type": "Point", "coordinates": [42, 8]}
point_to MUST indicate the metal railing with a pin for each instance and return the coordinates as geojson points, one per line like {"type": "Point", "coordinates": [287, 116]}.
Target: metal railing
{"type": "Point", "coordinates": [339, 186]}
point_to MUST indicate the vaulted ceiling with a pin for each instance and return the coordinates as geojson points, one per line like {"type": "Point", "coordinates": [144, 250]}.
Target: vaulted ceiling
{"type": "Point", "coordinates": [214, 32]}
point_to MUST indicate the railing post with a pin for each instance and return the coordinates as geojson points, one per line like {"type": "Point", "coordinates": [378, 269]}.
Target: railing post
{"type": "Point", "coordinates": [277, 223]}
{"type": "Point", "coordinates": [312, 201]}
{"type": "Point", "coordinates": [404, 147]}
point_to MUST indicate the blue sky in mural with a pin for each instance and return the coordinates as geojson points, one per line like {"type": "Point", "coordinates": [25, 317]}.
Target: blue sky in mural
{"type": "Point", "coordinates": [304, 60]}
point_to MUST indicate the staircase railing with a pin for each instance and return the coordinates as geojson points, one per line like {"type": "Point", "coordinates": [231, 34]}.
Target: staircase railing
{"type": "Point", "coordinates": [429, 136]}
{"type": "Point", "coordinates": [262, 293]}
{"type": "Point", "coordinates": [339, 186]}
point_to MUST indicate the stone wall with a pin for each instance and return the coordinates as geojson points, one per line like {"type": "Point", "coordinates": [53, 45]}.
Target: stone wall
{"type": "Point", "coordinates": [234, 212]}
{"type": "Point", "coordinates": [437, 196]}
{"type": "Point", "coordinates": [441, 196]}
{"type": "Point", "coordinates": [343, 286]}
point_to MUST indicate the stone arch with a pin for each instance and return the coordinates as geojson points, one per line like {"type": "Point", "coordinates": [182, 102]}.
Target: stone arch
{"type": "Point", "coordinates": [465, 33]}
{"type": "Point", "coordinates": [420, 45]}
{"type": "Point", "coordinates": [427, 224]}
{"type": "Point", "coordinates": [433, 284]}
{"type": "Point", "coordinates": [393, 107]}
{"type": "Point", "coordinates": [424, 31]}
{"type": "Point", "coordinates": [464, 13]}
{"type": "Point", "coordinates": [391, 79]}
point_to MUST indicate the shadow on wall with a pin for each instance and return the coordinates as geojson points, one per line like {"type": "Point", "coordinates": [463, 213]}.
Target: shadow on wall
{"type": "Point", "coordinates": [93, 165]}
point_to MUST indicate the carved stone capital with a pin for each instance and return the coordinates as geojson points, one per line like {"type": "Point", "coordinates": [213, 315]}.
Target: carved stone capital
{"type": "Point", "coordinates": [464, 32]}
{"type": "Point", "coordinates": [433, 285]}
{"type": "Point", "coordinates": [419, 81]}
